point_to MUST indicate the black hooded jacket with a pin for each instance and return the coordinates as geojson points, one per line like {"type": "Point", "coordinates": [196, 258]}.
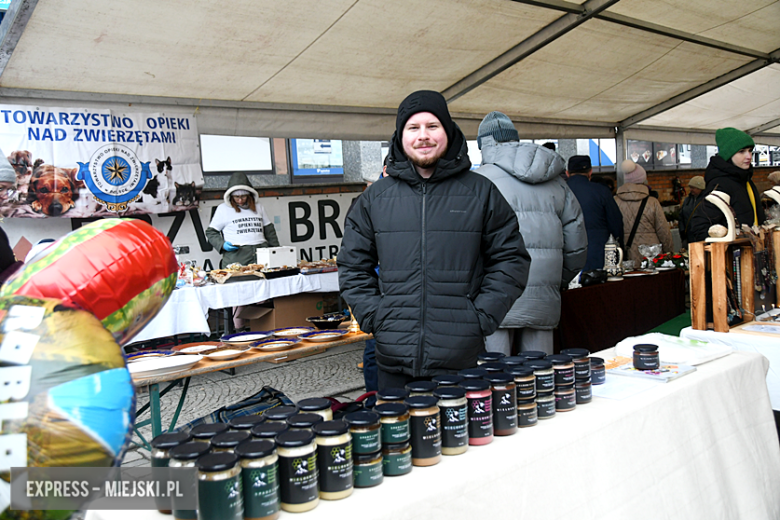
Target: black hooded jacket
{"type": "Point", "coordinates": [452, 263]}
{"type": "Point", "coordinates": [725, 176]}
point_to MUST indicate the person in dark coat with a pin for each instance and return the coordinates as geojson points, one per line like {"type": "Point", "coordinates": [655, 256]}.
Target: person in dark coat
{"type": "Point", "coordinates": [602, 215]}
{"type": "Point", "coordinates": [731, 172]}
{"type": "Point", "coordinates": [452, 261]}
{"type": "Point", "coordinates": [697, 187]}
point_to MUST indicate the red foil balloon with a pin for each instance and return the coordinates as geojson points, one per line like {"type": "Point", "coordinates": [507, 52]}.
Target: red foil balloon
{"type": "Point", "coordinates": [120, 270]}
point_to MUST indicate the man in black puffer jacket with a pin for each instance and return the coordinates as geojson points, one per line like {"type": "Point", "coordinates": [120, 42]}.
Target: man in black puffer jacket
{"type": "Point", "coordinates": [452, 261]}
{"type": "Point", "coordinates": [731, 172]}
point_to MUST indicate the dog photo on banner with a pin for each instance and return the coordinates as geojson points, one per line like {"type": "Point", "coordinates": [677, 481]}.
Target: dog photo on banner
{"type": "Point", "coordinates": [81, 163]}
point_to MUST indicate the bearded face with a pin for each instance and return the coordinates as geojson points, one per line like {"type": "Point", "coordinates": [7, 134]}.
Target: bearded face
{"type": "Point", "coordinates": [424, 140]}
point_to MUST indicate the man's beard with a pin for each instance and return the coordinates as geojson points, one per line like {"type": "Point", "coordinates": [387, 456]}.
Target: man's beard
{"type": "Point", "coordinates": [427, 161]}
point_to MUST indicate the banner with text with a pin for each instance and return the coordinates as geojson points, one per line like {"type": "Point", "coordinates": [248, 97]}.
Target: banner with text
{"type": "Point", "coordinates": [80, 163]}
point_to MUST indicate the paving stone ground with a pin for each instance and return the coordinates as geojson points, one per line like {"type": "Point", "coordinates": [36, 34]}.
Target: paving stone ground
{"type": "Point", "coordinates": [333, 373]}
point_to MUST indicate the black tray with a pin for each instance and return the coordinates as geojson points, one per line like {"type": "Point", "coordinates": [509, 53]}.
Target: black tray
{"type": "Point", "coordinates": [270, 275]}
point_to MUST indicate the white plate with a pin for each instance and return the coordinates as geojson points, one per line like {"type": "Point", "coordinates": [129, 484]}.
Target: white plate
{"type": "Point", "coordinates": [273, 346]}
{"type": "Point", "coordinates": [162, 366]}
{"type": "Point", "coordinates": [225, 355]}
{"type": "Point", "coordinates": [292, 332]}
{"type": "Point", "coordinates": [323, 335]}
{"type": "Point", "coordinates": [197, 349]}
{"type": "Point", "coordinates": [665, 268]}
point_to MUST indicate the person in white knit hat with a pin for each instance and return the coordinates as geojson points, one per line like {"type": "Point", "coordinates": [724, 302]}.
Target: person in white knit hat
{"type": "Point", "coordinates": [644, 222]}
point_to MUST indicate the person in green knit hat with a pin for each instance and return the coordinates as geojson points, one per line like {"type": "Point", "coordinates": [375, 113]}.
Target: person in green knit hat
{"type": "Point", "coordinates": [240, 224]}
{"type": "Point", "coordinates": [731, 172]}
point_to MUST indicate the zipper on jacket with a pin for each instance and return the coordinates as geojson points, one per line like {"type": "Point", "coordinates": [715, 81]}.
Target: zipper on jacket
{"type": "Point", "coordinates": [418, 370]}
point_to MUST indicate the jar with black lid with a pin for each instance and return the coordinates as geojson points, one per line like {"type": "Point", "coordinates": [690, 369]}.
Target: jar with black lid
{"type": "Point", "coordinates": [473, 373]}
{"type": "Point", "coordinates": [297, 453]}
{"type": "Point", "coordinates": [526, 413]}
{"type": "Point", "coordinates": [583, 391]}
{"type": "Point", "coordinates": [525, 381]}
{"type": "Point", "coordinates": [447, 379]}
{"type": "Point", "coordinates": [545, 375]}
{"type": "Point", "coordinates": [161, 446]}
{"type": "Point", "coordinates": [391, 395]}
{"type": "Point", "coordinates": [280, 413]}
{"type": "Point", "coordinates": [303, 421]}
{"type": "Point", "coordinates": [479, 411]}
{"type": "Point", "coordinates": [185, 456]}
{"type": "Point", "coordinates": [534, 355]}
{"type": "Point", "coordinates": [228, 441]}
{"type": "Point", "coordinates": [269, 430]}
{"type": "Point", "coordinates": [396, 459]}
{"type": "Point", "coordinates": [394, 419]}
{"type": "Point", "coordinates": [425, 430]}
{"type": "Point", "coordinates": [366, 431]}
{"type": "Point", "coordinates": [494, 367]}
{"type": "Point", "coordinates": [420, 388]}
{"type": "Point", "coordinates": [646, 357]}
{"type": "Point", "coordinates": [563, 368]}
{"type": "Point", "coordinates": [259, 479]}
{"type": "Point", "coordinates": [204, 432]}
{"type": "Point", "coordinates": [545, 405]}
{"type": "Point", "coordinates": [565, 398]}
{"type": "Point", "coordinates": [504, 403]}
{"type": "Point", "coordinates": [453, 407]}
{"type": "Point", "coordinates": [579, 357]}
{"type": "Point", "coordinates": [245, 422]}
{"type": "Point", "coordinates": [514, 361]}
{"type": "Point", "coordinates": [368, 469]}
{"type": "Point", "coordinates": [598, 372]}
{"type": "Point", "coordinates": [220, 494]}
{"type": "Point", "coordinates": [334, 459]}
{"type": "Point", "coordinates": [489, 357]}
{"type": "Point", "coordinates": [318, 405]}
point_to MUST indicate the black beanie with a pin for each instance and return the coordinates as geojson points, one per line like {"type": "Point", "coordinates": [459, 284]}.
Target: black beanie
{"type": "Point", "coordinates": [424, 101]}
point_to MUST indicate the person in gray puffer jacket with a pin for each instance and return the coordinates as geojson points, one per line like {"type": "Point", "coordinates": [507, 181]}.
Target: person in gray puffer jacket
{"type": "Point", "coordinates": [552, 225]}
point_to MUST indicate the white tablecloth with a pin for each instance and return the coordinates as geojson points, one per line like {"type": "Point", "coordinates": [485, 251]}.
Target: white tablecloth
{"type": "Point", "coordinates": [703, 446]}
{"type": "Point", "coordinates": [185, 312]}
{"type": "Point", "coordinates": [767, 347]}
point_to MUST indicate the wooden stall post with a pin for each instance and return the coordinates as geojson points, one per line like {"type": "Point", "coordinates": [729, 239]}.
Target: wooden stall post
{"type": "Point", "coordinates": [697, 270]}
{"type": "Point", "coordinates": [720, 307]}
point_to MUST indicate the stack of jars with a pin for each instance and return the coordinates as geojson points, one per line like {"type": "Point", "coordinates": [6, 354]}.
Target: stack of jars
{"type": "Point", "coordinates": [544, 381]}
{"type": "Point", "coordinates": [582, 374]}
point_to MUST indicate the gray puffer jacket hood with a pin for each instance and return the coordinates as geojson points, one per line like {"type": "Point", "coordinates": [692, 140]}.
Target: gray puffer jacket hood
{"type": "Point", "coordinates": [550, 220]}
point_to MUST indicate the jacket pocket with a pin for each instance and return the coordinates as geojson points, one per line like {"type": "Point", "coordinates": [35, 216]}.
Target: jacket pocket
{"type": "Point", "coordinates": [475, 312]}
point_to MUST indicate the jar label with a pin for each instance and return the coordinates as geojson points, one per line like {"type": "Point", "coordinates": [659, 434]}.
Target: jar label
{"type": "Point", "coordinates": [298, 479]}
{"type": "Point", "coordinates": [525, 389]}
{"type": "Point", "coordinates": [582, 370]}
{"type": "Point", "coordinates": [220, 499]}
{"type": "Point", "coordinates": [565, 402]}
{"type": "Point", "coordinates": [395, 432]}
{"type": "Point", "coordinates": [426, 436]}
{"type": "Point", "coordinates": [584, 395]}
{"type": "Point", "coordinates": [504, 410]}
{"type": "Point", "coordinates": [527, 416]}
{"type": "Point", "coordinates": [397, 463]}
{"type": "Point", "coordinates": [454, 426]}
{"type": "Point", "coordinates": [480, 417]}
{"type": "Point", "coordinates": [545, 382]}
{"type": "Point", "coordinates": [598, 376]}
{"type": "Point", "coordinates": [366, 442]}
{"type": "Point", "coordinates": [564, 376]}
{"type": "Point", "coordinates": [261, 491]}
{"type": "Point", "coordinates": [546, 409]}
{"type": "Point", "coordinates": [335, 467]}
{"type": "Point", "coordinates": [367, 475]}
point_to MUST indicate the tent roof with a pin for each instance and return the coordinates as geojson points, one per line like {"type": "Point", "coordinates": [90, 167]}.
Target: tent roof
{"type": "Point", "coordinates": [339, 68]}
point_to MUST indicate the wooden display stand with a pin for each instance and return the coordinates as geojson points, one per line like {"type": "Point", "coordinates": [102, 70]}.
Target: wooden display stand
{"type": "Point", "coordinates": [715, 257]}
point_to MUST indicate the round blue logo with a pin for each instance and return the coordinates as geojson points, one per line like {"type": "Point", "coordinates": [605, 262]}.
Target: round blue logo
{"type": "Point", "coordinates": [115, 176]}
{"type": "Point", "coordinates": [116, 171]}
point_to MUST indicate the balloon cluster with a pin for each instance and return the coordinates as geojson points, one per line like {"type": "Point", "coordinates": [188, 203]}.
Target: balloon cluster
{"type": "Point", "coordinates": [66, 397]}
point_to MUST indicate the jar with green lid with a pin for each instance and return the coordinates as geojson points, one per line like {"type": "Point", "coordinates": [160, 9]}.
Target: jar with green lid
{"type": "Point", "coordinates": [545, 405]}
{"type": "Point", "coordinates": [454, 419]}
{"type": "Point", "coordinates": [420, 388]}
{"type": "Point", "coordinates": [269, 430]}
{"type": "Point", "coordinates": [425, 430]}
{"type": "Point", "coordinates": [186, 456]}
{"type": "Point", "coordinates": [161, 446]}
{"type": "Point", "coordinates": [228, 441]}
{"type": "Point", "coordinates": [303, 421]}
{"type": "Point", "coordinates": [318, 405]}
{"type": "Point", "coordinates": [391, 395]}
{"type": "Point", "coordinates": [366, 431]}
{"type": "Point", "coordinates": [259, 479]}
{"type": "Point", "coordinates": [220, 495]}
{"type": "Point", "coordinates": [297, 453]}
{"type": "Point", "coordinates": [334, 459]}
{"type": "Point", "coordinates": [396, 459]}
{"type": "Point", "coordinates": [279, 413]}
{"type": "Point", "coordinates": [204, 432]}
{"type": "Point", "coordinates": [368, 469]}
{"type": "Point", "coordinates": [394, 418]}
{"type": "Point", "coordinates": [245, 422]}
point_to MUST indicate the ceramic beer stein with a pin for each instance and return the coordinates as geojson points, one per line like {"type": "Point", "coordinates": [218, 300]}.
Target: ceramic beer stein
{"type": "Point", "coordinates": [613, 260]}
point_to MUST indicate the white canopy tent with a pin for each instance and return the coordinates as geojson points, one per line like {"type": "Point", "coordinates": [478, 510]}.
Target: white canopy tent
{"type": "Point", "coordinates": [672, 70]}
